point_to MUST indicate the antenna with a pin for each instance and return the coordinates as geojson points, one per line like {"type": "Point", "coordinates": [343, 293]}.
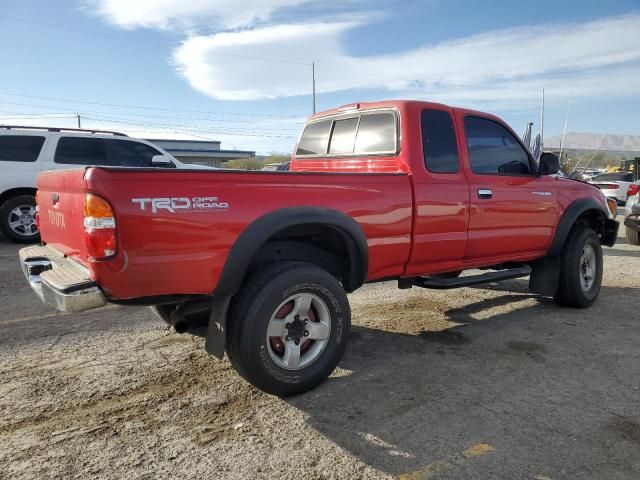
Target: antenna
{"type": "Point", "coordinates": [313, 84]}
{"type": "Point", "coordinates": [566, 120]}
{"type": "Point", "coordinates": [542, 124]}
{"type": "Point", "coordinates": [78, 117]}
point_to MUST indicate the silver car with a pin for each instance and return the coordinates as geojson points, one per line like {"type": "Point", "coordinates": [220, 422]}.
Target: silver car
{"type": "Point", "coordinates": [614, 185]}
{"type": "Point", "coordinates": [632, 214]}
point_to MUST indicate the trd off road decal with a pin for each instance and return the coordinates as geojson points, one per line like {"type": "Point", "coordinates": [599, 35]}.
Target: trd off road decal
{"type": "Point", "coordinates": [181, 204]}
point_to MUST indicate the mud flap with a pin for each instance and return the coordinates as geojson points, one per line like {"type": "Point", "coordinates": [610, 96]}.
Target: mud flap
{"type": "Point", "coordinates": [216, 332]}
{"type": "Point", "coordinates": [610, 232]}
{"type": "Point", "coordinates": [545, 275]}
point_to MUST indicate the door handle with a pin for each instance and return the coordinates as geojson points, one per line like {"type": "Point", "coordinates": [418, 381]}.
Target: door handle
{"type": "Point", "coordinates": [485, 193]}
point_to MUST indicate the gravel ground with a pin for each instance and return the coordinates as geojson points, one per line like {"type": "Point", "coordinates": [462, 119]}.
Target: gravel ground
{"type": "Point", "coordinates": [487, 382]}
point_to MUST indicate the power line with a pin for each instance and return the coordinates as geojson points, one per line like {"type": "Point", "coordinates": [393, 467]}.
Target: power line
{"type": "Point", "coordinates": [188, 127]}
{"type": "Point", "coordinates": [265, 123]}
{"type": "Point", "coordinates": [119, 105]}
{"type": "Point", "coordinates": [31, 118]}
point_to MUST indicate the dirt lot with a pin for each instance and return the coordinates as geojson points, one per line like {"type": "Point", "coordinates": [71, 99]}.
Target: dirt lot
{"type": "Point", "coordinates": [478, 383]}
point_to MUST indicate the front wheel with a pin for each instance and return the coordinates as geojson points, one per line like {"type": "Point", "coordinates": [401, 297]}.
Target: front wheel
{"type": "Point", "coordinates": [288, 328]}
{"type": "Point", "coordinates": [581, 269]}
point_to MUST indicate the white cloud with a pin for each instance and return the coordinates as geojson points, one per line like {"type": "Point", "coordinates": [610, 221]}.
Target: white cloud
{"type": "Point", "coordinates": [130, 14]}
{"type": "Point", "coordinates": [598, 57]}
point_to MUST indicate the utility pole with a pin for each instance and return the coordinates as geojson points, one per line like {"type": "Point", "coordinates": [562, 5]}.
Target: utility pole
{"type": "Point", "coordinates": [313, 84]}
{"type": "Point", "coordinates": [78, 117]}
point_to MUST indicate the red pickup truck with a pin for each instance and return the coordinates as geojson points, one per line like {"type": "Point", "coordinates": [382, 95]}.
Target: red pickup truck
{"type": "Point", "coordinates": [260, 262]}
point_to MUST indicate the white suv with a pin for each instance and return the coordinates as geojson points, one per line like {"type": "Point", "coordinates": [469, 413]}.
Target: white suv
{"type": "Point", "coordinates": [27, 151]}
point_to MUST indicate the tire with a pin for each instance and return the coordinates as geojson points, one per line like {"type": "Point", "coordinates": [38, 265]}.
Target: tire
{"type": "Point", "coordinates": [272, 298]}
{"type": "Point", "coordinates": [17, 220]}
{"type": "Point", "coordinates": [574, 288]}
{"type": "Point", "coordinates": [633, 236]}
{"type": "Point", "coordinates": [163, 312]}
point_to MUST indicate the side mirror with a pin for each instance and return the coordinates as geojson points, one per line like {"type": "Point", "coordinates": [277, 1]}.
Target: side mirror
{"type": "Point", "coordinates": [162, 161]}
{"type": "Point", "coordinates": [549, 164]}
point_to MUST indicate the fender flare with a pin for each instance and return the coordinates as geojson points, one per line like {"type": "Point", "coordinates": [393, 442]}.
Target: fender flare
{"type": "Point", "coordinates": [568, 219]}
{"type": "Point", "coordinates": [263, 228]}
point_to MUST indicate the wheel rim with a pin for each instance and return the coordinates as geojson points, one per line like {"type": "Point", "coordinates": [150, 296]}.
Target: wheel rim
{"type": "Point", "coordinates": [588, 267]}
{"type": "Point", "coordinates": [22, 220]}
{"type": "Point", "coordinates": [298, 331]}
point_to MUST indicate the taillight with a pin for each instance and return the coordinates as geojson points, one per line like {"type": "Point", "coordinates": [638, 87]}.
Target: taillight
{"type": "Point", "coordinates": [99, 228]}
{"type": "Point", "coordinates": [611, 186]}
{"type": "Point", "coordinates": [633, 189]}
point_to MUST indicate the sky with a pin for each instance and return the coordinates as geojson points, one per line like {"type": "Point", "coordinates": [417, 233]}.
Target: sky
{"type": "Point", "coordinates": [240, 71]}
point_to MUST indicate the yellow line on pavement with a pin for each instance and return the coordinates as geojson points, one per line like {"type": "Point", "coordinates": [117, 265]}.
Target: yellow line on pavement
{"type": "Point", "coordinates": [438, 466]}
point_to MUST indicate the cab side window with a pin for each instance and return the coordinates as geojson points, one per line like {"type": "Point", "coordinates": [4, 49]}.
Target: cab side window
{"type": "Point", "coordinates": [493, 150]}
{"type": "Point", "coordinates": [439, 144]}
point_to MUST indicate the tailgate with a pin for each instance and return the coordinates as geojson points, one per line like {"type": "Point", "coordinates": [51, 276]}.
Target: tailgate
{"type": "Point", "coordinates": [60, 211]}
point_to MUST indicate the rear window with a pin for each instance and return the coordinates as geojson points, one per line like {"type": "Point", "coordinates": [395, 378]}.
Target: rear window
{"type": "Point", "coordinates": [614, 177]}
{"type": "Point", "coordinates": [343, 136]}
{"type": "Point", "coordinates": [376, 133]}
{"type": "Point", "coordinates": [20, 148]}
{"type": "Point", "coordinates": [81, 151]}
{"type": "Point", "coordinates": [365, 134]}
{"type": "Point", "coordinates": [315, 138]}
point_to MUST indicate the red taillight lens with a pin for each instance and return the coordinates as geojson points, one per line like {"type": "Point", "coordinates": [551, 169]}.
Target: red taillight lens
{"type": "Point", "coordinates": [99, 228]}
{"type": "Point", "coordinates": [611, 186]}
{"type": "Point", "coordinates": [101, 244]}
{"type": "Point", "coordinates": [633, 189]}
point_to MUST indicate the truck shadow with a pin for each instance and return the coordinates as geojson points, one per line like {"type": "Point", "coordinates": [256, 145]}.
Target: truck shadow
{"type": "Point", "coordinates": [515, 382]}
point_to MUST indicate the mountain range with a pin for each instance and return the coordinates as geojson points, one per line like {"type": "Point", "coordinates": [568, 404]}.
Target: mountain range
{"type": "Point", "coordinates": [597, 141]}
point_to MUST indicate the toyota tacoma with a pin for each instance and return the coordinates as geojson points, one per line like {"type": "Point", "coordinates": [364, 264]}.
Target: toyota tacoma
{"type": "Point", "coordinates": [260, 263]}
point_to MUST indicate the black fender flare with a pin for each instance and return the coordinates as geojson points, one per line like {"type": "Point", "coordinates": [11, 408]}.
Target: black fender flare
{"type": "Point", "coordinates": [251, 240]}
{"type": "Point", "coordinates": [545, 272]}
{"type": "Point", "coordinates": [568, 219]}
{"type": "Point", "coordinates": [263, 228]}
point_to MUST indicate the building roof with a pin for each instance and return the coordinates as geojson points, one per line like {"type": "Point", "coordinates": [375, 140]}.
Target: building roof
{"type": "Point", "coordinates": [198, 148]}
{"type": "Point", "coordinates": [174, 140]}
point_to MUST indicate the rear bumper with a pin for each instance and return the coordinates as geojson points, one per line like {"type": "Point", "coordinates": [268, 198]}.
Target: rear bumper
{"type": "Point", "coordinates": [60, 281]}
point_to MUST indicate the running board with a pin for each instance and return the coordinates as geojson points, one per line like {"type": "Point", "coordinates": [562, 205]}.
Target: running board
{"type": "Point", "coordinates": [446, 283]}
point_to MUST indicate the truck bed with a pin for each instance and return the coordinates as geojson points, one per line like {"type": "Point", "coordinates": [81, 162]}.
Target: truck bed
{"type": "Point", "coordinates": [167, 219]}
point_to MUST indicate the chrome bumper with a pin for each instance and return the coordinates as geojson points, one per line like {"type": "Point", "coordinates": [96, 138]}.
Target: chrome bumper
{"type": "Point", "coordinates": [60, 281]}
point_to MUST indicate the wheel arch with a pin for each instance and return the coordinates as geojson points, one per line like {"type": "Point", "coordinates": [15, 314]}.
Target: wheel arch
{"type": "Point", "coordinates": [545, 273]}
{"type": "Point", "coordinates": [285, 235]}
{"type": "Point", "coordinates": [14, 192]}
{"type": "Point", "coordinates": [584, 210]}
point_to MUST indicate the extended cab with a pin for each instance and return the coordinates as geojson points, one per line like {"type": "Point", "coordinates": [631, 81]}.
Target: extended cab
{"type": "Point", "coordinates": [260, 262]}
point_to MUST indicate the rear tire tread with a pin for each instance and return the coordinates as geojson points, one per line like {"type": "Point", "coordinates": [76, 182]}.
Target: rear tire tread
{"type": "Point", "coordinates": [255, 290]}
{"type": "Point", "coordinates": [633, 236]}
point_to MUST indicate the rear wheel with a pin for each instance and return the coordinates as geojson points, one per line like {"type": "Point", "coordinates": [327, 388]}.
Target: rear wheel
{"type": "Point", "coordinates": [581, 269]}
{"type": "Point", "coordinates": [18, 219]}
{"type": "Point", "coordinates": [287, 329]}
{"type": "Point", "coordinates": [633, 236]}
